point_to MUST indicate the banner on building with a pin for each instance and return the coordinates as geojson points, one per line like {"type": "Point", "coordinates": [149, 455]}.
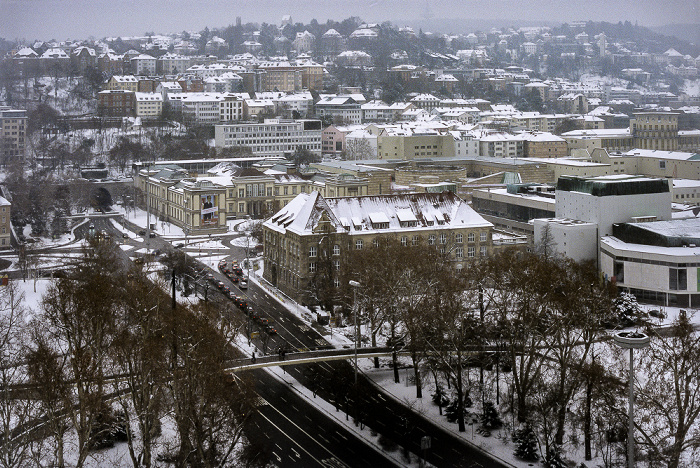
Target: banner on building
{"type": "Point", "coordinates": [209, 211]}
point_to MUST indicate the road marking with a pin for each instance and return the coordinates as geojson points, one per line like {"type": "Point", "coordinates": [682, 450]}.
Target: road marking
{"type": "Point", "coordinates": [292, 440]}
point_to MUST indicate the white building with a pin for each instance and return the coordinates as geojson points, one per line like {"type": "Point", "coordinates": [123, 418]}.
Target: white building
{"type": "Point", "coordinates": [149, 105]}
{"type": "Point", "coordinates": [658, 262]}
{"type": "Point", "coordinates": [273, 137]}
{"type": "Point", "coordinates": [201, 108]}
{"type": "Point", "coordinates": [172, 64]}
{"type": "Point", "coordinates": [144, 65]}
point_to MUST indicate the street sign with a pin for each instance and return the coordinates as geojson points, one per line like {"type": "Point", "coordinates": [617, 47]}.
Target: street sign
{"type": "Point", "coordinates": [254, 335]}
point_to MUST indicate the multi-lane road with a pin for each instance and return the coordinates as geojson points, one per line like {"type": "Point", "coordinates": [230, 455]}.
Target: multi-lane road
{"type": "Point", "coordinates": [288, 431]}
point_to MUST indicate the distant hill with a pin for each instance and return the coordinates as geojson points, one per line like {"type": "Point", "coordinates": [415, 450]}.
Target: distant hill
{"type": "Point", "coordinates": [687, 32]}
{"type": "Point", "coordinates": [466, 25]}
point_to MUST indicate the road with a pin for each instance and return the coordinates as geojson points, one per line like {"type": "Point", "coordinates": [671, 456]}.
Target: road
{"type": "Point", "coordinates": [290, 430]}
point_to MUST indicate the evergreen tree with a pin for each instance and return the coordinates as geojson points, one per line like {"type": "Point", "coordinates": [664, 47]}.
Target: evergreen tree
{"type": "Point", "coordinates": [554, 459]}
{"type": "Point", "coordinates": [490, 418]}
{"type": "Point", "coordinates": [526, 444]}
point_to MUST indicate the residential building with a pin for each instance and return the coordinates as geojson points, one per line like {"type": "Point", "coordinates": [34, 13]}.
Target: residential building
{"type": "Point", "coordinates": [83, 58]}
{"type": "Point", "coordinates": [144, 65]}
{"type": "Point", "coordinates": [340, 109]}
{"type": "Point", "coordinates": [148, 105]}
{"type": "Point", "coordinates": [116, 103]}
{"type": "Point", "coordinates": [231, 108]}
{"type": "Point", "coordinates": [172, 64]}
{"type": "Point", "coordinates": [5, 223]}
{"type": "Point", "coordinates": [13, 131]}
{"type": "Point", "coordinates": [123, 82]}
{"type": "Point", "coordinates": [201, 108]}
{"type": "Point", "coordinates": [544, 145]}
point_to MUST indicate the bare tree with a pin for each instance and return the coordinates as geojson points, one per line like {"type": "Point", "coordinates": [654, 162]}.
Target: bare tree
{"type": "Point", "coordinates": [359, 149]}
{"type": "Point", "coordinates": [139, 354]}
{"type": "Point", "coordinates": [15, 407]}
{"type": "Point", "coordinates": [209, 407]}
{"type": "Point", "coordinates": [78, 324]}
{"type": "Point", "coordinates": [669, 396]}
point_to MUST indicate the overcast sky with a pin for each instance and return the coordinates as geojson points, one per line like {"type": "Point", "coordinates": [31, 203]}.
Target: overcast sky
{"type": "Point", "coordinates": [77, 19]}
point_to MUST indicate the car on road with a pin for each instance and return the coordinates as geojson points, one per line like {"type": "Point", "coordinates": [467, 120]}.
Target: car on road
{"type": "Point", "coordinates": [263, 321]}
{"type": "Point", "coordinates": [125, 235]}
{"type": "Point", "coordinates": [233, 278]}
{"type": "Point", "coordinates": [151, 235]}
{"type": "Point", "coordinates": [226, 290]}
{"type": "Point", "coordinates": [220, 284]}
{"type": "Point", "coordinates": [142, 232]}
{"type": "Point", "coordinates": [238, 270]}
{"type": "Point", "coordinates": [243, 284]}
{"type": "Point", "coordinates": [241, 304]}
{"type": "Point", "coordinates": [179, 245]}
{"type": "Point", "coordinates": [270, 330]}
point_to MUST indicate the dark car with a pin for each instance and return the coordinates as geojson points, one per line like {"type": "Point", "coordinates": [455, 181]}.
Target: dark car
{"type": "Point", "coordinates": [226, 290]}
{"type": "Point", "coordinates": [220, 284]}
{"type": "Point", "coordinates": [238, 270]}
{"type": "Point", "coordinates": [234, 278]}
{"type": "Point", "coordinates": [270, 330]}
{"type": "Point", "coordinates": [142, 232]}
{"type": "Point", "coordinates": [152, 235]}
{"type": "Point", "coordinates": [263, 321]}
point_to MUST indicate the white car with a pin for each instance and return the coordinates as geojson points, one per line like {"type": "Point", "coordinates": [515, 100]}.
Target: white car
{"type": "Point", "coordinates": [243, 284]}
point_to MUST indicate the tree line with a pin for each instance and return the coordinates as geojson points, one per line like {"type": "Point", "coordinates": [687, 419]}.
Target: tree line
{"type": "Point", "coordinates": [550, 374]}
{"type": "Point", "coordinates": [106, 358]}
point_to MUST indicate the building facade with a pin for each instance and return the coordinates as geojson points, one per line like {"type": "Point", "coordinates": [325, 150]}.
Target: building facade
{"type": "Point", "coordinates": [297, 235]}
{"type": "Point", "coordinates": [13, 130]}
{"type": "Point", "coordinates": [273, 137]}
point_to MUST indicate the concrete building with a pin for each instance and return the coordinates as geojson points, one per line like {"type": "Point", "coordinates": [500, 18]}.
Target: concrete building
{"type": "Point", "coordinates": [273, 137]}
{"type": "Point", "coordinates": [512, 208]}
{"type": "Point", "coordinates": [13, 131]}
{"type": "Point", "coordinates": [658, 262]}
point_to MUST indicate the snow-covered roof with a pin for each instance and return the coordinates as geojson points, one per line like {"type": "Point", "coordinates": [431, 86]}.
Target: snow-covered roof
{"type": "Point", "coordinates": [381, 213]}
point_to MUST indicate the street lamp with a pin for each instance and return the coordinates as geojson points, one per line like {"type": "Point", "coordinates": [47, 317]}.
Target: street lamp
{"type": "Point", "coordinates": [355, 285]}
{"type": "Point", "coordinates": [631, 341]}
